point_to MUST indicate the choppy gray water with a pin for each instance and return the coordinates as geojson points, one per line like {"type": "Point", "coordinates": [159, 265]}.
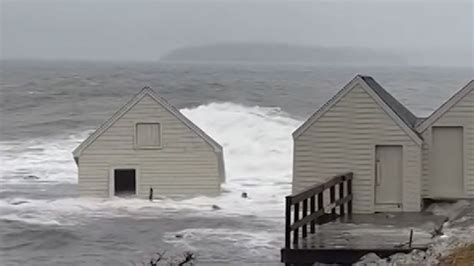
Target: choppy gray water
{"type": "Point", "coordinates": [48, 108]}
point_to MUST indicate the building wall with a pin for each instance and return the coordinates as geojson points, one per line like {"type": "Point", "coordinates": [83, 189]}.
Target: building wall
{"type": "Point", "coordinates": [185, 165]}
{"type": "Point", "coordinates": [461, 114]}
{"type": "Point", "coordinates": [344, 140]}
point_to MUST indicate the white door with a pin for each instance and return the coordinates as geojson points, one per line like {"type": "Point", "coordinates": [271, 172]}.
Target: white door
{"type": "Point", "coordinates": [447, 162]}
{"type": "Point", "coordinates": [388, 174]}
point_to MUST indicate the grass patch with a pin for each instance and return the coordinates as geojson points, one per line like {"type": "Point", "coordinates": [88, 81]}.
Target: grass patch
{"type": "Point", "coordinates": [461, 256]}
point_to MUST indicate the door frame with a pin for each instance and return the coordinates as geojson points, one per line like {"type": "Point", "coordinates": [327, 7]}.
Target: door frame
{"type": "Point", "coordinates": [381, 207]}
{"type": "Point", "coordinates": [112, 177]}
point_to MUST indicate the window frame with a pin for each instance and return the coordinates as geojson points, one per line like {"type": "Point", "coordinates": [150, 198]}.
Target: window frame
{"type": "Point", "coordinates": [147, 147]}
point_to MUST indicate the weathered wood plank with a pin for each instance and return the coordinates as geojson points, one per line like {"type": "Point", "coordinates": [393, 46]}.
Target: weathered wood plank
{"type": "Point", "coordinates": [313, 210]}
{"type": "Point", "coordinates": [296, 214]}
{"type": "Point", "coordinates": [349, 237]}
{"type": "Point", "coordinates": [320, 187]}
{"type": "Point", "coordinates": [307, 219]}
{"type": "Point", "coordinates": [313, 217]}
{"type": "Point", "coordinates": [305, 214]}
{"type": "Point", "coordinates": [338, 256]}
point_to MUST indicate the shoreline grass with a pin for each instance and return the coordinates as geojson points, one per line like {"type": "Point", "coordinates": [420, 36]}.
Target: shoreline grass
{"type": "Point", "coordinates": [462, 256]}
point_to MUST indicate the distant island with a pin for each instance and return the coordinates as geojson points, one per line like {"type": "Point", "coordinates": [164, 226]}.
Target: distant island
{"type": "Point", "coordinates": [281, 53]}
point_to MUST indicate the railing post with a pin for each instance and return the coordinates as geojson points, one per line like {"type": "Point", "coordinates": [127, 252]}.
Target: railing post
{"type": "Point", "coordinates": [332, 192]}
{"type": "Point", "coordinates": [341, 195]}
{"type": "Point", "coordinates": [320, 201]}
{"type": "Point", "coordinates": [296, 214]}
{"type": "Point", "coordinates": [309, 208]}
{"type": "Point", "coordinates": [349, 192]}
{"type": "Point", "coordinates": [305, 213]}
{"type": "Point", "coordinates": [313, 210]}
{"type": "Point", "coordinates": [288, 222]}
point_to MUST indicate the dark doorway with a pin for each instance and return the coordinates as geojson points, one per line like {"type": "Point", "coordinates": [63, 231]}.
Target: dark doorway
{"type": "Point", "coordinates": [125, 182]}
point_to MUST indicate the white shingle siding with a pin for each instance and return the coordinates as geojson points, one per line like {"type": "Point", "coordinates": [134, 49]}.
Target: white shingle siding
{"type": "Point", "coordinates": [343, 140]}
{"type": "Point", "coordinates": [184, 164]}
{"type": "Point", "coordinates": [461, 114]}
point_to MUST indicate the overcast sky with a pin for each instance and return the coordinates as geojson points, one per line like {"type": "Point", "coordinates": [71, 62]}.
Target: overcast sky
{"type": "Point", "coordinates": [145, 30]}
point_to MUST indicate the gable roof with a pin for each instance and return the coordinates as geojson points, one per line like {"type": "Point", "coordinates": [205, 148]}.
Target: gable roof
{"type": "Point", "coordinates": [400, 110]}
{"type": "Point", "coordinates": [147, 91]}
{"type": "Point", "coordinates": [445, 107]}
{"type": "Point", "coordinates": [400, 114]}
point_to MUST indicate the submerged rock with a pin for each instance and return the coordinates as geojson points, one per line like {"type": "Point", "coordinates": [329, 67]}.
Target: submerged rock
{"type": "Point", "coordinates": [32, 177]}
{"type": "Point", "coordinates": [244, 195]}
{"type": "Point", "coordinates": [399, 258]}
{"type": "Point", "coordinates": [215, 207]}
{"type": "Point", "coordinates": [368, 259]}
{"type": "Point", "coordinates": [19, 202]}
{"type": "Point", "coordinates": [418, 255]}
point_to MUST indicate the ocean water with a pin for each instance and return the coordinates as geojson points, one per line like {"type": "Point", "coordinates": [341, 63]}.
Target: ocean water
{"type": "Point", "coordinates": [48, 108]}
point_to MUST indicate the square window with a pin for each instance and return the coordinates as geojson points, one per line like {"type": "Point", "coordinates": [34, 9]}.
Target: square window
{"type": "Point", "coordinates": [148, 135]}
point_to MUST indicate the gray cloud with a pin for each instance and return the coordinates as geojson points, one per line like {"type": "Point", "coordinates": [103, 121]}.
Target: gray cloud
{"type": "Point", "coordinates": [145, 30]}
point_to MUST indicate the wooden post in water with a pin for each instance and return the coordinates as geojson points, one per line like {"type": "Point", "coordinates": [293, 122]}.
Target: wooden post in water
{"type": "Point", "coordinates": [411, 238]}
{"type": "Point", "coordinates": [150, 196]}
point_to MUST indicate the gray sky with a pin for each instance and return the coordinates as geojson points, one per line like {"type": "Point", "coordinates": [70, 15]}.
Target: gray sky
{"type": "Point", "coordinates": [144, 30]}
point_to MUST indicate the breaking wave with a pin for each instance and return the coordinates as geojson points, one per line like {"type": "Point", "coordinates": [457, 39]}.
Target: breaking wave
{"type": "Point", "coordinates": [258, 158]}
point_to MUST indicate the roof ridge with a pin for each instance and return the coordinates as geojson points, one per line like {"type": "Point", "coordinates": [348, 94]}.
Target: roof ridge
{"type": "Point", "coordinates": [397, 107]}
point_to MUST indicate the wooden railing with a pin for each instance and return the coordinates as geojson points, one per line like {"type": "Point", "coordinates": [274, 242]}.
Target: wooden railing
{"type": "Point", "coordinates": [312, 214]}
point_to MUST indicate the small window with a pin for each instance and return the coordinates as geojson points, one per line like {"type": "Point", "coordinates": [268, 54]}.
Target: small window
{"type": "Point", "coordinates": [148, 135]}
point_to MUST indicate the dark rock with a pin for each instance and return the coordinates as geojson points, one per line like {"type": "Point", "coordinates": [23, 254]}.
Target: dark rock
{"type": "Point", "coordinates": [19, 202]}
{"type": "Point", "coordinates": [370, 258]}
{"type": "Point", "coordinates": [215, 207]}
{"type": "Point", "coordinates": [244, 195]}
{"type": "Point", "coordinates": [31, 177]}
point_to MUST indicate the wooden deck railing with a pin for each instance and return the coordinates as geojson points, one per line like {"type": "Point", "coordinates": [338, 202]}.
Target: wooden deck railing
{"type": "Point", "coordinates": [304, 204]}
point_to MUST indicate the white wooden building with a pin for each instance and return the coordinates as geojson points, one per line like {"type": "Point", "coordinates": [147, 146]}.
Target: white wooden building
{"type": "Point", "coordinates": [392, 153]}
{"type": "Point", "coordinates": [448, 148]}
{"type": "Point", "coordinates": [149, 144]}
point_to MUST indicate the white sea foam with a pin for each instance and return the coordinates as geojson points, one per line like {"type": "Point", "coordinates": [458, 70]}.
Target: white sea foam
{"type": "Point", "coordinates": [40, 160]}
{"type": "Point", "coordinates": [258, 158]}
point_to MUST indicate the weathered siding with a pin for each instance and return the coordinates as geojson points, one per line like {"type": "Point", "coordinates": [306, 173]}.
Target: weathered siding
{"type": "Point", "coordinates": [185, 164]}
{"type": "Point", "coordinates": [344, 140]}
{"type": "Point", "coordinates": [461, 114]}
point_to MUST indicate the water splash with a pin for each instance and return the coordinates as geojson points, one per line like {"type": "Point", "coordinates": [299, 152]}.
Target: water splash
{"type": "Point", "coordinates": [257, 150]}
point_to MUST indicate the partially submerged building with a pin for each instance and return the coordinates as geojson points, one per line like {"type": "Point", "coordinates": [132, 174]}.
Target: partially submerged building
{"type": "Point", "coordinates": [149, 144]}
{"type": "Point", "coordinates": [397, 159]}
